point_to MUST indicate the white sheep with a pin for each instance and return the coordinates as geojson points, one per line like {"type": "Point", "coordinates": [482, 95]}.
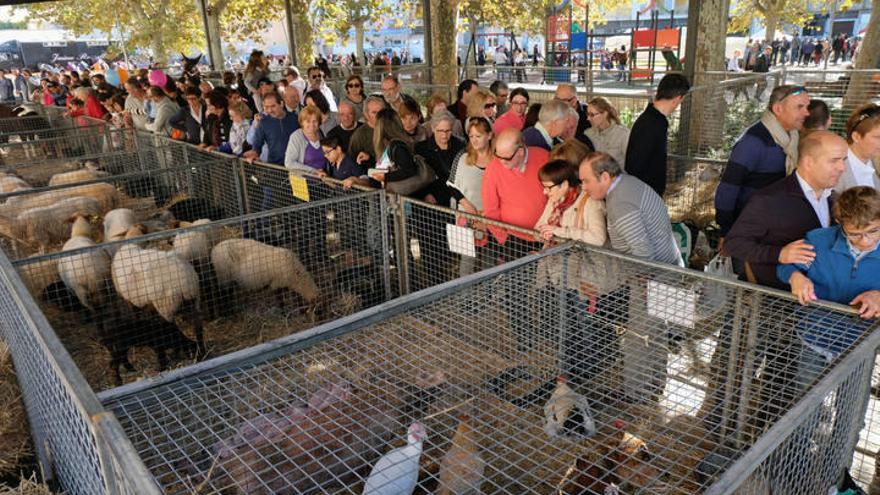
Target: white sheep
{"type": "Point", "coordinates": [89, 173]}
{"type": "Point", "coordinates": [11, 184]}
{"type": "Point", "coordinates": [84, 273]}
{"type": "Point", "coordinates": [193, 245]}
{"type": "Point", "coordinates": [116, 224]}
{"type": "Point", "coordinates": [150, 277]}
{"type": "Point", "coordinates": [47, 225]}
{"type": "Point", "coordinates": [254, 265]}
{"type": "Point", "coordinates": [105, 194]}
{"type": "Point", "coordinates": [39, 275]}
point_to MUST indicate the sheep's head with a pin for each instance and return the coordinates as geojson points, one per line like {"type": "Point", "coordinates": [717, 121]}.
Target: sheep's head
{"type": "Point", "coordinates": [135, 230]}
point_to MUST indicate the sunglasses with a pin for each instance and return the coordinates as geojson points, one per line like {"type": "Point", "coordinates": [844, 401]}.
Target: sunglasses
{"type": "Point", "coordinates": [793, 91]}
{"type": "Point", "coordinates": [867, 113]}
{"type": "Point", "coordinates": [353, 86]}
{"type": "Point", "coordinates": [316, 76]}
{"type": "Point", "coordinates": [487, 106]}
{"type": "Point", "coordinates": [508, 158]}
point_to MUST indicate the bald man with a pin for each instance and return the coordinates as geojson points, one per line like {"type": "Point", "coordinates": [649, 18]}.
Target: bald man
{"type": "Point", "coordinates": [772, 226]}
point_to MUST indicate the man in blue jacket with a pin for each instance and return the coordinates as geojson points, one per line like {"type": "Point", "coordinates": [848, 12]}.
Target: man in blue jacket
{"type": "Point", "coordinates": [272, 130]}
{"type": "Point", "coordinates": [764, 154]}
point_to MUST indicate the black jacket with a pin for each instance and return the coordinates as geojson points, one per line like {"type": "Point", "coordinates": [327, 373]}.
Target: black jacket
{"type": "Point", "coordinates": [216, 129]}
{"type": "Point", "coordinates": [185, 122]}
{"type": "Point", "coordinates": [441, 161]}
{"type": "Point", "coordinates": [646, 149]}
{"type": "Point", "coordinates": [773, 217]}
{"type": "Point", "coordinates": [583, 123]}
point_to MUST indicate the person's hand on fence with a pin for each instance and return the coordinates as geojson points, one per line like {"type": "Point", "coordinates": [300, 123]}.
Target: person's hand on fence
{"type": "Point", "coordinates": [802, 288]}
{"type": "Point", "coordinates": [467, 207]}
{"type": "Point", "coordinates": [379, 176]}
{"type": "Point", "coordinates": [868, 303]}
{"type": "Point", "coordinates": [546, 232]}
{"type": "Point", "coordinates": [321, 174]}
{"type": "Point", "coordinates": [797, 252]}
{"type": "Point", "coordinates": [250, 155]}
{"type": "Point", "coordinates": [362, 157]}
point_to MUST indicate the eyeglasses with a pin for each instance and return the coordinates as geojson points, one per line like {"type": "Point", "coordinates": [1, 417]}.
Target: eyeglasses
{"type": "Point", "coordinates": [568, 100]}
{"type": "Point", "coordinates": [316, 76]}
{"type": "Point", "coordinates": [508, 158]}
{"type": "Point", "coordinates": [593, 114]}
{"type": "Point", "coordinates": [328, 152]}
{"type": "Point", "coordinates": [442, 131]}
{"type": "Point", "coordinates": [519, 102]}
{"type": "Point", "coordinates": [487, 106]}
{"type": "Point", "coordinates": [858, 236]}
{"type": "Point", "coordinates": [549, 187]}
{"type": "Point", "coordinates": [352, 85]}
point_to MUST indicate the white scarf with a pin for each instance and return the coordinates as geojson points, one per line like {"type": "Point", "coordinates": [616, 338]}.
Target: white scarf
{"type": "Point", "coordinates": [787, 140]}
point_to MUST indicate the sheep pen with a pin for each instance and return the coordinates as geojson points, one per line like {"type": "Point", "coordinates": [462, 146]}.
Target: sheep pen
{"type": "Point", "coordinates": [342, 269]}
{"type": "Point", "coordinates": [240, 427]}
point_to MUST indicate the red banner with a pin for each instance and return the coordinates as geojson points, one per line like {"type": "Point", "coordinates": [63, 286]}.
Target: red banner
{"type": "Point", "coordinates": [558, 28]}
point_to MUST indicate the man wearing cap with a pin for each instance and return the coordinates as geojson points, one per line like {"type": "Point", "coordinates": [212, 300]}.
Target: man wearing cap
{"type": "Point", "coordinates": [764, 154]}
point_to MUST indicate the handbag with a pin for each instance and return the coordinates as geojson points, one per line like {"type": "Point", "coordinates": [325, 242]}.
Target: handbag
{"type": "Point", "coordinates": [423, 177]}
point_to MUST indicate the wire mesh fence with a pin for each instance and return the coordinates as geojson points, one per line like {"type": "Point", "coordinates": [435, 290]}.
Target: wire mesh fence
{"type": "Point", "coordinates": [468, 372]}
{"type": "Point", "coordinates": [59, 403]}
{"type": "Point", "coordinates": [181, 186]}
{"type": "Point", "coordinates": [842, 90]}
{"type": "Point", "coordinates": [130, 308]}
{"type": "Point", "coordinates": [39, 126]}
{"type": "Point", "coordinates": [65, 144]}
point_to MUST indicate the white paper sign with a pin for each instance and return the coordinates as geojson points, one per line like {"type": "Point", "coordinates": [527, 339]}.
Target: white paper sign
{"type": "Point", "coordinates": [461, 240]}
{"type": "Point", "coordinates": [671, 304]}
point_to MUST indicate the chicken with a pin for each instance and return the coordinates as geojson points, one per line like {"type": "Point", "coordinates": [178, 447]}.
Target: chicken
{"type": "Point", "coordinates": [630, 459]}
{"type": "Point", "coordinates": [567, 413]}
{"type": "Point", "coordinates": [587, 478]}
{"type": "Point", "coordinates": [397, 472]}
{"type": "Point", "coordinates": [461, 471]}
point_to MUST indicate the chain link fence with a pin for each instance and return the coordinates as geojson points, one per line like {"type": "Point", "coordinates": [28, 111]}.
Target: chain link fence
{"type": "Point", "coordinates": [474, 362]}
{"type": "Point", "coordinates": [41, 126]}
{"type": "Point", "coordinates": [64, 144]}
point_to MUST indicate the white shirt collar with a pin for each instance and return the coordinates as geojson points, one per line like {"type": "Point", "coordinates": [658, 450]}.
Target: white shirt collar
{"type": "Point", "coordinates": [540, 127]}
{"type": "Point", "coordinates": [809, 192]}
{"type": "Point", "coordinates": [863, 171]}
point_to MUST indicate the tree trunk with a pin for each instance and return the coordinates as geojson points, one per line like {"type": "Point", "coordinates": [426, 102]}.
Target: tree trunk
{"type": "Point", "coordinates": [861, 83]}
{"type": "Point", "coordinates": [305, 36]}
{"type": "Point", "coordinates": [771, 22]}
{"type": "Point", "coordinates": [157, 45]}
{"type": "Point", "coordinates": [215, 47]}
{"type": "Point", "coordinates": [444, 42]}
{"type": "Point", "coordinates": [706, 110]}
{"type": "Point", "coordinates": [359, 40]}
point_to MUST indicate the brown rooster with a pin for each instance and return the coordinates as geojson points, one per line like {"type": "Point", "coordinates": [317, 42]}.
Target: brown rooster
{"type": "Point", "coordinates": [461, 471]}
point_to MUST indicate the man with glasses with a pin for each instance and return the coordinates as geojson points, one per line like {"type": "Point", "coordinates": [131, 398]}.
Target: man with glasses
{"type": "Point", "coordinates": [511, 191]}
{"type": "Point", "coordinates": [515, 118]}
{"type": "Point", "coordinates": [391, 92]}
{"type": "Point", "coordinates": [316, 81]}
{"type": "Point", "coordinates": [568, 93]}
{"type": "Point", "coordinates": [646, 150]}
{"type": "Point", "coordinates": [764, 154]}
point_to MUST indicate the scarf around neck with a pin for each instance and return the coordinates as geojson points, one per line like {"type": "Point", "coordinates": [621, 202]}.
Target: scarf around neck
{"type": "Point", "coordinates": [787, 140]}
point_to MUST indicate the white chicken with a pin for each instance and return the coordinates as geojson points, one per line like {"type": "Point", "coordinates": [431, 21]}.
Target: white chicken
{"type": "Point", "coordinates": [397, 472]}
{"type": "Point", "coordinates": [567, 413]}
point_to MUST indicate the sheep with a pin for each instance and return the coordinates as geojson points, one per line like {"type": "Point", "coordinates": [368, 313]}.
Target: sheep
{"type": "Point", "coordinates": [11, 183]}
{"type": "Point", "coordinates": [150, 278]}
{"type": "Point", "coordinates": [253, 265]}
{"type": "Point", "coordinates": [193, 245]}
{"type": "Point", "coordinates": [89, 173]}
{"type": "Point", "coordinates": [116, 224]}
{"type": "Point", "coordinates": [39, 275]}
{"type": "Point", "coordinates": [105, 194]}
{"type": "Point", "coordinates": [84, 273]}
{"type": "Point", "coordinates": [46, 225]}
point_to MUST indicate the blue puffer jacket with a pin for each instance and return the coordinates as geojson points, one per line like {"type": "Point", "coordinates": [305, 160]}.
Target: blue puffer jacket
{"type": "Point", "coordinates": [837, 277]}
{"type": "Point", "coordinates": [756, 161]}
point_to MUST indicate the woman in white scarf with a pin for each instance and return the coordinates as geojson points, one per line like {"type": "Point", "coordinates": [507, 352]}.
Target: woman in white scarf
{"type": "Point", "coordinates": [863, 136]}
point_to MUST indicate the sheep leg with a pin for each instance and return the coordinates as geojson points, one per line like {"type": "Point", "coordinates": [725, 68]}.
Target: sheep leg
{"type": "Point", "coordinates": [198, 328]}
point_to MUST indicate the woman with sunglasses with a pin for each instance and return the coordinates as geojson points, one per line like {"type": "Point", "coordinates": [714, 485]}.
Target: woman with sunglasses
{"type": "Point", "coordinates": [863, 136]}
{"type": "Point", "coordinates": [481, 104]}
{"type": "Point", "coordinates": [354, 94]}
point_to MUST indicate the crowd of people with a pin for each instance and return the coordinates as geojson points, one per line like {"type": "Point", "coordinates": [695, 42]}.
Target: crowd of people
{"type": "Point", "coordinates": [564, 168]}
{"type": "Point", "coordinates": [798, 50]}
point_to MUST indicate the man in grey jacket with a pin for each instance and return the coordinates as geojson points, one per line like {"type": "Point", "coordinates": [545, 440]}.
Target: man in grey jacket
{"type": "Point", "coordinates": [638, 225]}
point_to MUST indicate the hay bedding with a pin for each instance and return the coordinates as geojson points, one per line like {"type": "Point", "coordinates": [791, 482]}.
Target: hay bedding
{"type": "Point", "coordinates": [519, 455]}
{"type": "Point", "coordinates": [15, 442]}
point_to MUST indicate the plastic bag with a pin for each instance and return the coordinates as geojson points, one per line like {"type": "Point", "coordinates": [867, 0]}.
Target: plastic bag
{"type": "Point", "coordinates": [721, 266]}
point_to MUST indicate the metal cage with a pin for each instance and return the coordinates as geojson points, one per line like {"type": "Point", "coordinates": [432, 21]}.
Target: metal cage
{"type": "Point", "coordinates": [63, 144]}
{"type": "Point", "coordinates": [675, 382]}
{"type": "Point", "coordinates": [178, 295]}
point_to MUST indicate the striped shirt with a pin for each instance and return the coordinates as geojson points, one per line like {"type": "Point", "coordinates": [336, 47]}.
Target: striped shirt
{"type": "Point", "coordinates": [638, 222]}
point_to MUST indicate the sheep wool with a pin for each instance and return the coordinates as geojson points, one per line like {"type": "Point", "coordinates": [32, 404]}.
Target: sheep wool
{"type": "Point", "coordinates": [105, 194]}
{"type": "Point", "coordinates": [116, 224]}
{"type": "Point", "coordinates": [149, 277]}
{"type": "Point", "coordinates": [84, 273]}
{"type": "Point", "coordinates": [193, 245]}
{"type": "Point", "coordinates": [46, 225]}
{"type": "Point", "coordinates": [254, 265]}
{"type": "Point", "coordinates": [11, 183]}
{"type": "Point", "coordinates": [76, 176]}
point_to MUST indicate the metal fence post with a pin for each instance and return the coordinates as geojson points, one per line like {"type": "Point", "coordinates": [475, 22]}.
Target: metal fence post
{"type": "Point", "coordinates": [398, 209]}
{"type": "Point", "coordinates": [386, 248]}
